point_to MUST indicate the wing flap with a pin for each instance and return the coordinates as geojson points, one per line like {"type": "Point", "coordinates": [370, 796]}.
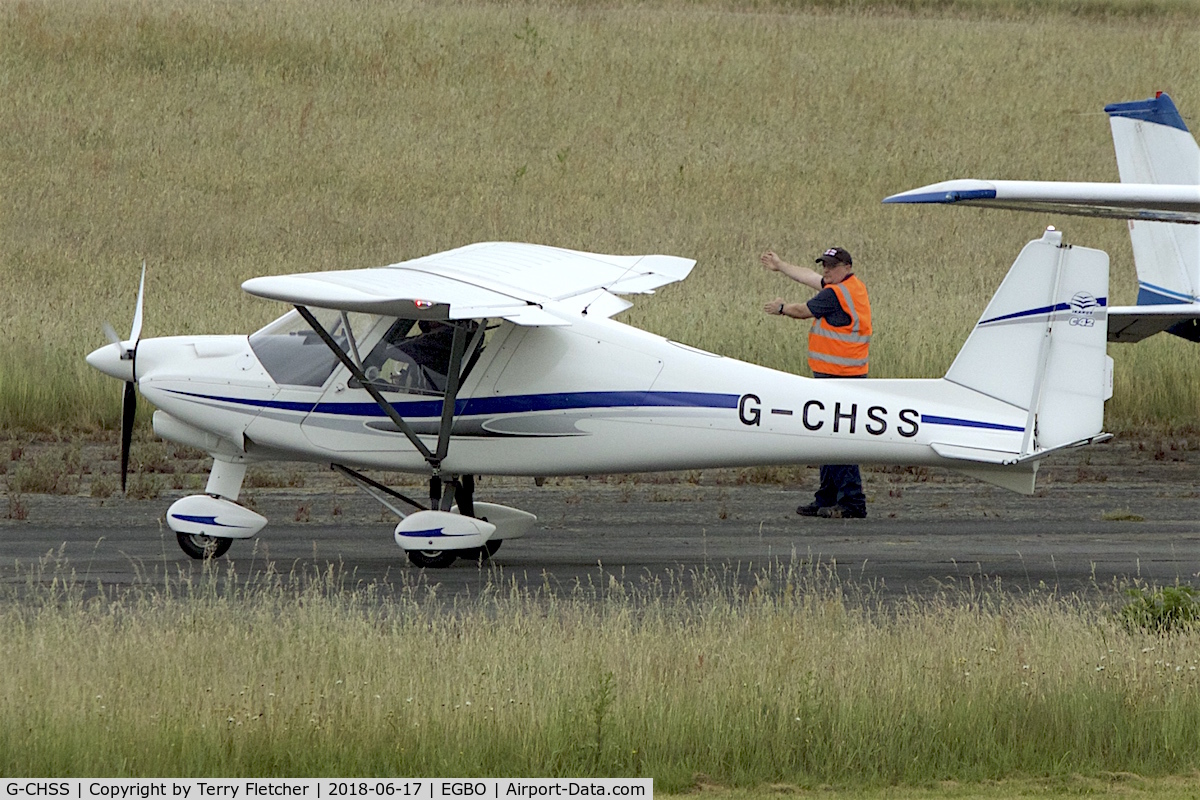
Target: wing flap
{"type": "Point", "coordinates": [539, 271]}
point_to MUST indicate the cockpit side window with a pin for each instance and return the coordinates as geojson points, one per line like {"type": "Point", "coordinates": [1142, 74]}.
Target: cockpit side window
{"type": "Point", "coordinates": [414, 356]}
{"type": "Point", "coordinates": [293, 354]}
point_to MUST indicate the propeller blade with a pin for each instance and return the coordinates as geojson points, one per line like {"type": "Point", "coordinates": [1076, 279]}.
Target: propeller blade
{"type": "Point", "coordinates": [128, 412]}
{"type": "Point", "coordinates": [110, 333]}
{"type": "Point", "coordinates": [136, 332]}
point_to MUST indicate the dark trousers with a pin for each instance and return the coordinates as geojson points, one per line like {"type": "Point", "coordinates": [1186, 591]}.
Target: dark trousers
{"type": "Point", "coordinates": [841, 484]}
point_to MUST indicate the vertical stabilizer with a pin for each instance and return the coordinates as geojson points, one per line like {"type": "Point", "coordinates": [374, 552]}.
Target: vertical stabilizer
{"type": "Point", "coordinates": [1041, 343]}
{"type": "Point", "coordinates": [1154, 146]}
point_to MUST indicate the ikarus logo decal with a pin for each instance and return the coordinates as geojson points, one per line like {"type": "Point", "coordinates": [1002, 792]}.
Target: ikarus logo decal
{"type": "Point", "coordinates": [1083, 306]}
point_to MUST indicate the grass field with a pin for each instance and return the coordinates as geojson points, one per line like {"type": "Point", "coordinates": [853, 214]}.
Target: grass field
{"type": "Point", "coordinates": [220, 141]}
{"type": "Point", "coordinates": [800, 680]}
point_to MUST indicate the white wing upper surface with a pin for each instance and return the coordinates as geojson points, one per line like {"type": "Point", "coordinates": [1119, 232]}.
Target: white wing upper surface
{"type": "Point", "coordinates": [528, 284]}
{"type": "Point", "coordinates": [1157, 202]}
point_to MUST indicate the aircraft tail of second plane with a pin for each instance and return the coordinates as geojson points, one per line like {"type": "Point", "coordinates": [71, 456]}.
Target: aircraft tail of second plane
{"type": "Point", "coordinates": [1154, 147]}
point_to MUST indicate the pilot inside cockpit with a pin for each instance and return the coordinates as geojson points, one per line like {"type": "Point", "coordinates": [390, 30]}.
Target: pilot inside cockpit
{"type": "Point", "coordinates": [413, 358]}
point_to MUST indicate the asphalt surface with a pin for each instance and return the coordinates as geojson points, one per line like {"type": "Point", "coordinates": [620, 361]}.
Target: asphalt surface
{"type": "Point", "coordinates": [1113, 515]}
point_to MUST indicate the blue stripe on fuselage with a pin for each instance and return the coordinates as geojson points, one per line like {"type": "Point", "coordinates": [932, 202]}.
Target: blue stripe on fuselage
{"type": "Point", "coordinates": [929, 419]}
{"type": "Point", "coordinates": [491, 406]}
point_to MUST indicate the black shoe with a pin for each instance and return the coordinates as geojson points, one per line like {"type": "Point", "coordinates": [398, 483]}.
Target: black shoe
{"type": "Point", "coordinates": [840, 512]}
{"type": "Point", "coordinates": [810, 510]}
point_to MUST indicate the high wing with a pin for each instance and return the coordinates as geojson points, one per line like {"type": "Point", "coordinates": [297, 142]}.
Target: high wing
{"type": "Point", "coordinates": [528, 284]}
{"type": "Point", "coordinates": [1148, 202]}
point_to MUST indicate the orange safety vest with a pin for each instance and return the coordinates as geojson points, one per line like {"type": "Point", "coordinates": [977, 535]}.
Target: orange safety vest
{"type": "Point", "coordinates": [842, 350]}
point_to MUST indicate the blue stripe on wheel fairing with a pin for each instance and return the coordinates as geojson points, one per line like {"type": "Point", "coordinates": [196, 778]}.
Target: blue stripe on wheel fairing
{"type": "Point", "coordinates": [210, 520]}
{"type": "Point", "coordinates": [513, 404]}
{"type": "Point", "coordinates": [929, 419]}
{"type": "Point", "coordinates": [434, 533]}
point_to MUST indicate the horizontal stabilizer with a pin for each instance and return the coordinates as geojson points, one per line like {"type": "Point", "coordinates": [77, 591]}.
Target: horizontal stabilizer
{"type": "Point", "coordinates": [1100, 437]}
{"type": "Point", "coordinates": [1134, 323]}
{"type": "Point", "coordinates": [976, 454]}
{"type": "Point", "coordinates": [1011, 471]}
{"type": "Point", "coordinates": [1159, 194]}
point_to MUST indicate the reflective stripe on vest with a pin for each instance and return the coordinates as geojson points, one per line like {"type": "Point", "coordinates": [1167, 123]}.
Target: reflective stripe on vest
{"type": "Point", "coordinates": [843, 350]}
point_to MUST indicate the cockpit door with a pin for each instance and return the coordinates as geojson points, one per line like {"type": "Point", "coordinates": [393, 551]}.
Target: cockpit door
{"type": "Point", "coordinates": [407, 363]}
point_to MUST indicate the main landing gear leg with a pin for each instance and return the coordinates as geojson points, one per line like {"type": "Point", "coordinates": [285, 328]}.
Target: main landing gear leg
{"type": "Point", "coordinates": [442, 494]}
{"type": "Point", "coordinates": [464, 496]}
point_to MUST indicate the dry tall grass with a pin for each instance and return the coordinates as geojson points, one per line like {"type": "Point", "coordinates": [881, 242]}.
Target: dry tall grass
{"type": "Point", "coordinates": [222, 141]}
{"type": "Point", "coordinates": [792, 681]}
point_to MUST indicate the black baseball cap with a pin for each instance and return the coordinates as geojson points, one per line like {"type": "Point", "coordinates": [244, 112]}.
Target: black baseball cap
{"type": "Point", "coordinates": [835, 255]}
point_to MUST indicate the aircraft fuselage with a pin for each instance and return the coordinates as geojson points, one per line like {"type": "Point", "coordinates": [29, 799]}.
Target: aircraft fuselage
{"type": "Point", "coordinates": [593, 397]}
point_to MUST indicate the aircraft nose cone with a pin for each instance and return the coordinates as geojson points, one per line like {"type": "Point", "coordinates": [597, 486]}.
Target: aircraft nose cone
{"type": "Point", "coordinates": [108, 360]}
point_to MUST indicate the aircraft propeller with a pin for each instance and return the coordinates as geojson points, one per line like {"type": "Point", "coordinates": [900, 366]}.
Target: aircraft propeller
{"type": "Point", "coordinates": [119, 359]}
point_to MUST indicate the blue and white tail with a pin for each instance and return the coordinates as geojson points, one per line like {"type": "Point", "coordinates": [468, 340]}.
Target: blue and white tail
{"type": "Point", "coordinates": [1153, 146]}
{"type": "Point", "coordinates": [1041, 344]}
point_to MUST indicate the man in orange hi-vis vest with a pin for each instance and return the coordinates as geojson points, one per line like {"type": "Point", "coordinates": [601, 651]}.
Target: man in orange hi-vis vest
{"type": "Point", "coordinates": [838, 344]}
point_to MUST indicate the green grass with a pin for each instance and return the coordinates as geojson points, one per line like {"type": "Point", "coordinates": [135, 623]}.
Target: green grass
{"type": "Point", "coordinates": [223, 141]}
{"type": "Point", "coordinates": [798, 680]}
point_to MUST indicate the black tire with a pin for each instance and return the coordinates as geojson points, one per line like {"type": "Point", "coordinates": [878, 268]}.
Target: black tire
{"type": "Point", "coordinates": [432, 559]}
{"type": "Point", "coordinates": [202, 547]}
{"type": "Point", "coordinates": [481, 554]}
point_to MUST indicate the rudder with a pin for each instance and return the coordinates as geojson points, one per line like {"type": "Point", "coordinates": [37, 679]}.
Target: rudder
{"type": "Point", "coordinates": [1041, 344]}
{"type": "Point", "coordinates": [1154, 146]}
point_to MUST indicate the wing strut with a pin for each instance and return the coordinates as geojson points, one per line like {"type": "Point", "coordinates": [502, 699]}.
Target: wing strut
{"type": "Point", "coordinates": [375, 488]}
{"type": "Point", "coordinates": [453, 380]}
{"type": "Point", "coordinates": [392, 414]}
{"type": "Point", "coordinates": [453, 376]}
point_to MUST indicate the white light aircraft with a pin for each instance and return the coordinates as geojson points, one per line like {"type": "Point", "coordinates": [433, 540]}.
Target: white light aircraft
{"type": "Point", "coordinates": [502, 359]}
{"type": "Point", "coordinates": [1158, 161]}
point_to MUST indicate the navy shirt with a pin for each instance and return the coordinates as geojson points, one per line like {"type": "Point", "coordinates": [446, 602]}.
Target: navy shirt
{"type": "Point", "coordinates": [826, 306]}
